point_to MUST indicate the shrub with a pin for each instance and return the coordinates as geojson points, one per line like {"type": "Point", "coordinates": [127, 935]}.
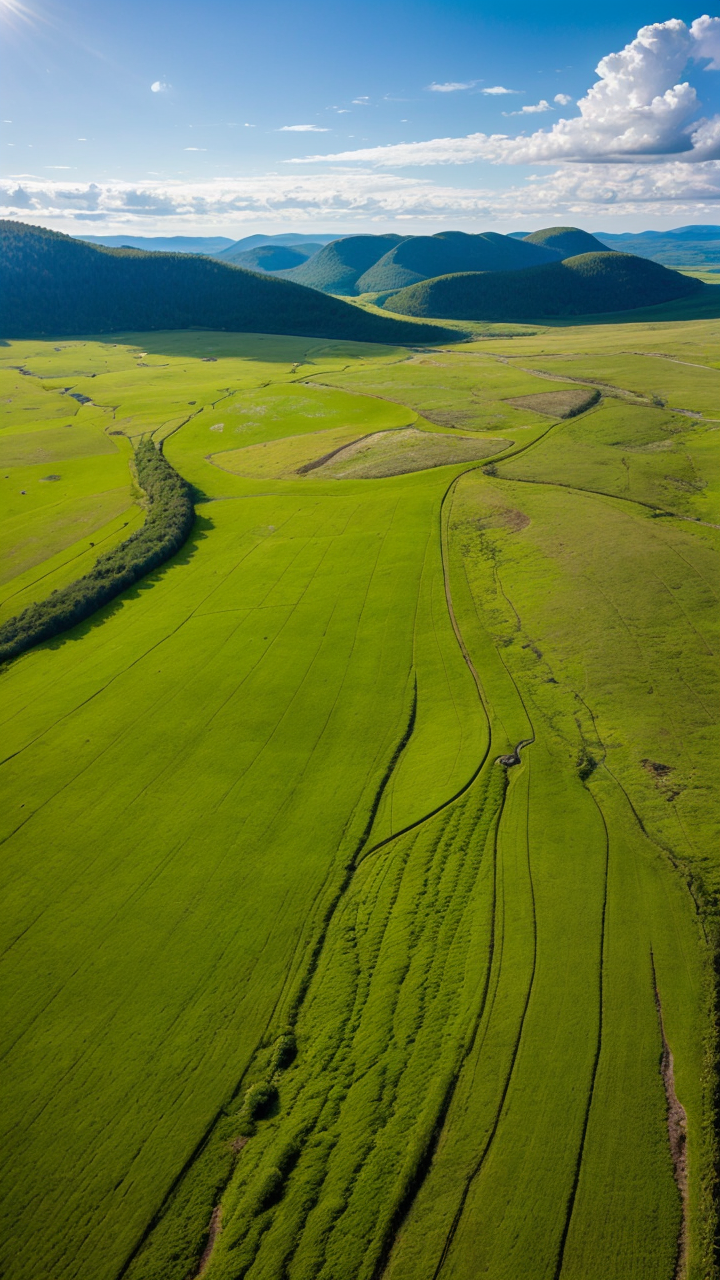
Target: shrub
{"type": "Point", "coordinates": [284, 1051]}
{"type": "Point", "coordinates": [258, 1100]}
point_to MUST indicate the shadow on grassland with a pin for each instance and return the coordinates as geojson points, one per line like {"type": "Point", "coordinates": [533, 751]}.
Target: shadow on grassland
{"type": "Point", "coordinates": [704, 305]}
{"type": "Point", "coordinates": [200, 531]}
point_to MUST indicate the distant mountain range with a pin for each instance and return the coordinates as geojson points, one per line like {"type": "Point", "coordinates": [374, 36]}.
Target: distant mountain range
{"type": "Point", "coordinates": [587, 284]}
{"type": "Point", "coordinates": [213, 246]}
{"type": "Point", "coordinates": [164, 244]}
{"type": "Point", "coordinates": [691, 246]}
{"type": "Point", "coordinates": [53, 284]}
{"type": "Point", "coordinates": [694, 246]}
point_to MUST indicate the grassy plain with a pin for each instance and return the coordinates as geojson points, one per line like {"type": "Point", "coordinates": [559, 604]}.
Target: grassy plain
{"type": "Point", "coordinates": [299, 980]}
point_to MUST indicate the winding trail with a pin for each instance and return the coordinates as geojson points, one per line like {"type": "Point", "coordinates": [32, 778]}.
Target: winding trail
{"type": "Point", "coordinates": [677, 1131]}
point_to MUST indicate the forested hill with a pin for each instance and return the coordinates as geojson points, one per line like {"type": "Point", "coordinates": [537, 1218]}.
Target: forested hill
{"type": "Point", "coordinates": [589, 284]}
{"type": "Point", "coordinates": [53, 284]}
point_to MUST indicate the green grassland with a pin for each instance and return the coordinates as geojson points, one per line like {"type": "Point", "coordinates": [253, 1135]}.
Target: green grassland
{"type": "Point", "coordinates": [300, 981]}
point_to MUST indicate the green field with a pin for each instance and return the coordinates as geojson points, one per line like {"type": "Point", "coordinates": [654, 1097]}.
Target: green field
{"type": "Point", "coordinates": [300, 981]}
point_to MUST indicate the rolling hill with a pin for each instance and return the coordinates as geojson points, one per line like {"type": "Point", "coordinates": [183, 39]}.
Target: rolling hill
{"type": "Point", "coordinates": [339, 266]}
{"type": "Point", "coordinates": [288, 238]}
{"type": "Point", "coordinates": [589, 284]}
{"type": "Point", "coordinates": [52, 284]}
{"type": "Point", "coordinates": [568, 242]}
{"type": "Point", "coordinates": [423, 257]}
{"type": "Point", "coordinates": [270, 258]}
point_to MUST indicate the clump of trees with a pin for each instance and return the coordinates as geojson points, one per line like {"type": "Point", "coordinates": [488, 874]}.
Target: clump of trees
{"type": "Point", "coordinates": [169, 520]}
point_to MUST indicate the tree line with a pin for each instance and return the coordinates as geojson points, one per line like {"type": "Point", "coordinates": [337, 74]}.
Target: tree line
{"type": "Point", "coordinates": [167, 526]}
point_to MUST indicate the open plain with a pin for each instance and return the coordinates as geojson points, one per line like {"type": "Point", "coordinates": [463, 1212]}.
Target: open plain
{"type": "Point", "coordinates": [360, 872]}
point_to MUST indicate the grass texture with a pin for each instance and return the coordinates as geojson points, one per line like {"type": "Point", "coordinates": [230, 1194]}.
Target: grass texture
{"type": "Point", "coordinates": [300, 981]}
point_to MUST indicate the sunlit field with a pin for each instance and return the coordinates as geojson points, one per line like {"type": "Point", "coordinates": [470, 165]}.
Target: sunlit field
{"type": "Point", "coordinates": [360, 864]}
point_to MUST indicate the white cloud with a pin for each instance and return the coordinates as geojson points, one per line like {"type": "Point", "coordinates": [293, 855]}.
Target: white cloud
{"type": "Point", "coordinates": [562, 99]}
{"type": "Point", "coordinates": [302, 128]}
{"type": "Point", "coordinates": [159, 86]}
{"type": "Point", "coordinates": [498, 89]}
{"type": "Point", "coordinates": [361, 102]}
{"type": "Point", "coordinates": [537, 109]}
{"type": "Point", "coordinates": [194, 148]}
{"type": "Point", "coordinates": [570, 194]}
{"type": "Point", "coordinates": [452, 86]}
{"type": "Point", "coordinates": [638, 109]}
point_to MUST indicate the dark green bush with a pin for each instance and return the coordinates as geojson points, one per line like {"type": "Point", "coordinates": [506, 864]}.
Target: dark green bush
{"type": "Point", "coordinates": [258, 1100]}
{"type": "Point", "coordinates": [284, 1051]}
{"type": "Point", "coordinates": [169, 520]}
{"type": "Point", "coordinates": [585, 764]}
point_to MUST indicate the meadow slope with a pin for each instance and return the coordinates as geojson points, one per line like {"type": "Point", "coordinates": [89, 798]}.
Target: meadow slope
{"type": "Point", "coordinates": [302, 979]}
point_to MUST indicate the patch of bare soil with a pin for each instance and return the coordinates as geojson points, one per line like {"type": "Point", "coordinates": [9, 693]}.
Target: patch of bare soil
{"type": "Point", "coordinates": [451, 418]}
{"type": "Point", "coordinates": [661, 774]}
{"type": "Point", "coordinates": [503, 518]}
{"type": "Point", "coordinates": [558, 404]}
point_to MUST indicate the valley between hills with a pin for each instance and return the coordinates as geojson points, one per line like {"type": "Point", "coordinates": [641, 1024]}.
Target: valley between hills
{"type": "Point", "coordinates": [360, 751]}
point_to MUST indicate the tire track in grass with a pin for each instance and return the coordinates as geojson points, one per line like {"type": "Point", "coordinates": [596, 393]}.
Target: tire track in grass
{"type": "Point", "coordinates": [477, 1168]}
{"type": "Point", "coordinates": [677, 1131]}
{"type": "Point", "coordinates": [570, 1206]}
{"type": "Point", "coordinates": [425, 1160]}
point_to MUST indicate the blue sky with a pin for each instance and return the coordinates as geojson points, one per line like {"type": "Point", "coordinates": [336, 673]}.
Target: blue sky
{"type": "Point", "coordinates": [228, 118]}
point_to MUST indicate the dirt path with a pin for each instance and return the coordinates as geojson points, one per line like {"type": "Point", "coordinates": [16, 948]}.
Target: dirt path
{"type": "Point", "coordinates": [677, 1132]}
{"type": "Point", "coordinates": [213, 1233]}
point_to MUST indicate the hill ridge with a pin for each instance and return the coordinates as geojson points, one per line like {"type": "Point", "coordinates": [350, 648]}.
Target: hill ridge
{"type": "Point", "coordinates": [54, 284]}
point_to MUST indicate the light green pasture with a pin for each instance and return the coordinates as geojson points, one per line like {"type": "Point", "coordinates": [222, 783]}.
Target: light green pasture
{"type": "Point", "coordinates": [648, 456]}
{"type": "Point", "coordinates": [455, 389]}
{"type": "Point", "coordinates": [260, 791]}
{"type": "Point", "coordinates": [660, 378]}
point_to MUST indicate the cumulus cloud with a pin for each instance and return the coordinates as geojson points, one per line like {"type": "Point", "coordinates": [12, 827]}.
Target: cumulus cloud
{"type": "Point", "coordinates": [159, 86]}
{"type": "Point", "coordinates": [498, 89]}
{"type": "Point", "coordinates": [534, 110]}
{"type": "Point", "coordinates": [562, 99]}
{"type": "Point", "coordinates": [302, 128]}
{"type": "Point", "coordinates": [452, 86]}
{"type": "Point", "coordinates": [571, 193]}
{"type": "Point", "coordinates": [638, 109]}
